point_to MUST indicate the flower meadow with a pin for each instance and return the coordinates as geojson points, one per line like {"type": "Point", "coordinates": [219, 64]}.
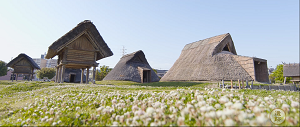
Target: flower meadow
{"type": "Point", "coordinates": [110, 105]}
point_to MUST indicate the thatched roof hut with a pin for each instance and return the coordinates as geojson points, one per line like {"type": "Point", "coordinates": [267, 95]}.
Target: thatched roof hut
{"type": "Point", "coordinates": [80, 48]}
{"type": "Point", "coordinates": [133, 67]}
{"type": "Point", "coordinates": [215, 58]}
{"type": "Point", "coordinates": [23, 64]}
{"type": "Point", "coordinates": [292, 70]}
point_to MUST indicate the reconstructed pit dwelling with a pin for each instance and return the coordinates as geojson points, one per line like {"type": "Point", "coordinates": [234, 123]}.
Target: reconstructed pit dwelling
{"type": "Point", "coordinates": [133, 67]}
{"type": "Point", "coordinates": [80, 48]}
{"type": "Point", "coordinates": [215, 58]}
{"type": "Point", "coordinates": [23, 64]}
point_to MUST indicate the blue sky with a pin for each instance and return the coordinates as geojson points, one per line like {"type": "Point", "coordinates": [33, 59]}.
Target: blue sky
{"type": "Point", "coordinates": [267, 29]}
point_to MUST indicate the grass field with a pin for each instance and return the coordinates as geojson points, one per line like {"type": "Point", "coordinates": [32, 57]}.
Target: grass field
{"type": "Point", "coordinates": [126, 103]}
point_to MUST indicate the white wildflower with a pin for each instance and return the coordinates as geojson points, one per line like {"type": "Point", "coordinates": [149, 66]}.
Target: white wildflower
{"type": "Point", "coordinates": [217, 106]}
{"type": "Point", "coordinates": [223, 100]}
{"type": "Point", "coordinates": [150, 110]}
{"type": "Point", "coordinates": [295, 104]}
{"type": "Point", "coordinates": [77, 108]}
{"type": "Point", "coordinates": [238, 105]}
{"type": "Point", "coordinates": [285, 107]}
{"type": "Point", "coordinates": [229, 122]}
{"type": "Point", "coordinates": [180, 121]}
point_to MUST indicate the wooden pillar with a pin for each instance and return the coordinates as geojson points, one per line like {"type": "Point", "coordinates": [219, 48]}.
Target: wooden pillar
{"type": "Point", "coordinates": [62, 73]}
{"type": "Point", "coordinates": [12, 77]}
{"type": "Point", "coordinates": [247, 83]}
{"type": "Point", "coordinates": [82, 74]}
{"type": "Point", "coordinates": [231, 84]}
{"type": "Point", "coordinates": [56, 75]}
{"type": "Point", "coordinates": [239, 83]}
{"type": "Point", "coordinates": [59, 74]}
{"type": "Point", "coordinates": [284, 80]}
{"type": "Point", "coordinates": [252, 84]}
{"type": "Point", "coordinates": [17, 76]}
{"type": "Point", "coordinates": [87, 75]}
{"type": "Point", "coordinates": [94, 71]}
{"type": "Point", "coordinates": [223, 82]}
{"type": "Point", "coordinates": [243, 83]}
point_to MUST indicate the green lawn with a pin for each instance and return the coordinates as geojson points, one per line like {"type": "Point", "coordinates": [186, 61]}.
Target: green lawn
{"type": "Point", "coordinates": [30, 102]}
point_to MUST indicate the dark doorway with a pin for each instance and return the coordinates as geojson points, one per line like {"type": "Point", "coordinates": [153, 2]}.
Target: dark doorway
{"type": "Point", "coordinates": [226, 48]}
{"type": "Point", "coordinates": [72, 77]}
{"type": "Point", "coordinates": [146, 76]}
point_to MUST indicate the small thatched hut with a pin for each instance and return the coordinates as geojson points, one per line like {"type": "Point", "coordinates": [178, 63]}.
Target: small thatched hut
{"type": "Point", "coordinates": [23, 64]}
{"type": "Point", "coordinates": [80, 48]}
{"type": "Point", "coordinates": [133, 67]}
{"type": "Point", "coordinates": [215, 58]}
{"type": "Point", "coordinates": [292, 70]}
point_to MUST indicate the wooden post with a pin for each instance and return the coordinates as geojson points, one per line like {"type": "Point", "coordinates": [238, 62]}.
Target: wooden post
{"type": "Point", "coordinates": [223, 83]}
{"type": "Point", "coordinates": [87, 75]}
{"type": "Point", "coordinates": [269, 87]}
{"type": "Point", "coordinates": [247, 83]}
{"type": "Point", "coordinates": [62, 73]}
{"type": "Point", "coordinates": [94, 71]}
{"type": "Point", "coordinates": [259, 87]}
{"type": "Point", "coordinates": [284, 80]}
{"type": "Point", "coordinates": [239, 83]}
{"type": "Point", "coordinates": [56, 76]}
{"type": "Point", "coordinates": [17, 76]}
{"type": "Point", "coordinates": [12, 77]}
{"type": "Point", "coordinates": [243, 83]}
{"type": "Point", "coordinates": [82, 74]}
{"type": "Point", "coordinates": [231, 84]}
{"type": "Point", "coordinates": [252, 84]}
{"type": "Point", "coordinates": [235, 86]}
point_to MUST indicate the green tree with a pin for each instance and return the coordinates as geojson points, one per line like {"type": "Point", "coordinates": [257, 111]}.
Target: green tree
{"type": "Point", "coordinates": [102, 72]}
{"type": "Point", "coordinates": [277, 75]}
{"type": "Point", "coordinates": [3, 68]}
{"type": "Point", "coordinates": [46, 72]}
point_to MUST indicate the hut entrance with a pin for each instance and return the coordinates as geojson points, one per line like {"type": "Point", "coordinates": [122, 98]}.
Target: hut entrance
{"type": "Point", "coordinates": [260, 69]}
{"type": "Point", "coordinates": [72, 77]}
{"type": "Point", "coordinates": [146, 75]}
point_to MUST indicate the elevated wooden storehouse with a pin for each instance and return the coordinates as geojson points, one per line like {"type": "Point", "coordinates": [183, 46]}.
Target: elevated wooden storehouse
{"type": "Point", "coordinates": [215, 58]}
{"type": "Point", "coordinates": [80, 48]}
{"type": "Point", "coordinates": [133, 67]}
{"type": "Point", "coordinates": [23, 64]}
{"type": "Point", "coordinates": [292, 70]}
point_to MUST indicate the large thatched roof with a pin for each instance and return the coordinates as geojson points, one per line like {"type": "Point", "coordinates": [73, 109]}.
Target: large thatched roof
{"type": "Point", "coordinates": [21, 57]}
{"type": "Point", "coordinates": [127, 68]}
{"type": "Point", "coordinates": [213, 58]}
{"type": "Point", "coordinates": [290, 70]}
{"type": "Point", "coordinates": [85, 27]}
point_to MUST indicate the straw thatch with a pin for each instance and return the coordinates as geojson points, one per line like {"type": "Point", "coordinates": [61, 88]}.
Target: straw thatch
{"type": "Point", "coordinates": [290, 70]}
{"type": "Point", "coordinates": [22, 60]}
{"type": "Point", "coordinates": [131, 68]}
{"type": "Point", "coordinates": [215, 58]}
{"type": "Point", "coordinates": [84, 28]}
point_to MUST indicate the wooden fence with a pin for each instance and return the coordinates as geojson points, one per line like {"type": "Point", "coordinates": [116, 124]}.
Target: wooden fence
{"type": "Point", "coordinates": [266, 87]}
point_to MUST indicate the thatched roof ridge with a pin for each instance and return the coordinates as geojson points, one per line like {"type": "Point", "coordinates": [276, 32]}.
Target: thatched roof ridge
{"type": "Point", "coordinates": [20, 57]}
{"type": "Point", "coordinates": [85, 26]}
{"type": "Point", "coordinates": [127, 68]}
{"type": "Point", "coordinates": [290, 70]}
